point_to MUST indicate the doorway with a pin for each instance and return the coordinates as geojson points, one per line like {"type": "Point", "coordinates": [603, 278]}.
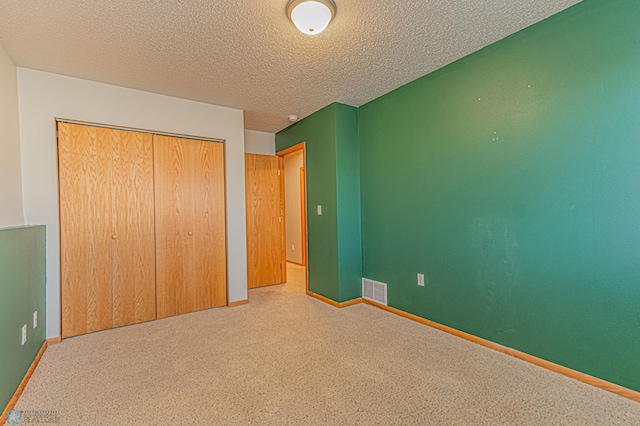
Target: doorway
{"type": "Point", "coordinates": [295, 196]}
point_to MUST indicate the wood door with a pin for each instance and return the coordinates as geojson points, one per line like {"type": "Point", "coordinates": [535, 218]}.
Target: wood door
{"type": "Point", "coordinates": [265, 220]}
{"type": "Point", "coordinates": [190, 225]}
{"type": "Point", "coordinates": [134, 290]}
{"type": "Point", "coordinates": [106, 228]}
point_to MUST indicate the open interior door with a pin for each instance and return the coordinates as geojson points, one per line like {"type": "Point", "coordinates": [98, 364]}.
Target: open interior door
{"type": "Point", "coordinates": [266, 263]}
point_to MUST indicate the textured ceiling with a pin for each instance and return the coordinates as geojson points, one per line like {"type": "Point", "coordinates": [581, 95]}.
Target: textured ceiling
{"type": "Point", "coordinates": [245, 54]}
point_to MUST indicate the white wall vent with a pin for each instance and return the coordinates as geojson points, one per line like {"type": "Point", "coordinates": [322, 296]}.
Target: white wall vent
{"type": "Point", "coordinates": [374, 290]}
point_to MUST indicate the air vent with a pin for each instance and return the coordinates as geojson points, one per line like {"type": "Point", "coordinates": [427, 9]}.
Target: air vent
{"type": "Point", "coordinates": [374, 290]}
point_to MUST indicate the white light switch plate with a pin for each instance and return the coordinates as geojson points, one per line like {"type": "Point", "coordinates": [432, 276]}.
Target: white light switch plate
{"type": "Point", "coordinates": [35, 319]}
{"type": "Point", "coordinates": [24, 334]}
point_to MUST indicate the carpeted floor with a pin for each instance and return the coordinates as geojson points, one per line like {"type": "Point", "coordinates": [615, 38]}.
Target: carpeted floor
{"type": "Point", "coordinates": [287, 358]}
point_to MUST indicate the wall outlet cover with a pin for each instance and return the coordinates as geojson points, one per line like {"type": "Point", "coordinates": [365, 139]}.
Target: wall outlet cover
{"type": "Point", "coordinates": [421, 280]}
{"type": "Point", "coordinates": [24, 334]}
{"type": "Point", "coordinates": [35, 319]}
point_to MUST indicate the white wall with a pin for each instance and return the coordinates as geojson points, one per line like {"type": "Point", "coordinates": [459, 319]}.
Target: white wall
{"type": "Point", "coordinates": [45, 96]}
{"type": "Point", "coordinates": [10, 177]}
{"type": "Point", "coordinates": [292, 164]}
{"type": "Point", "coordinates": [259, 142]}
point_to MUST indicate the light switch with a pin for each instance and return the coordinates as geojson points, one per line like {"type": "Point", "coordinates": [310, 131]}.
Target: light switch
{"type": "Point", "coordinates": [319, 210]}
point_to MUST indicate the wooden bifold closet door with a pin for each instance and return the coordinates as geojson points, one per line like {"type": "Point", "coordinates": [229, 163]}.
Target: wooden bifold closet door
{"type": "Point", "coordinates": [142, 227]}
{"type": "Point", "coordinates": [190, 225]}
{"type": "Point", "coordinates": [106, 228]}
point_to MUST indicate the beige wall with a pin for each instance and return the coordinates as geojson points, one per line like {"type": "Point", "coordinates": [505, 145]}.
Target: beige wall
{"type": "Point", "coordinates": [259, 142]}
{"type": "Point", "coordinates": [292, 164]}
{"type": "Point", "coordinates": [44, 96]}
{"type": "Point", "coordinates": [10, 177]}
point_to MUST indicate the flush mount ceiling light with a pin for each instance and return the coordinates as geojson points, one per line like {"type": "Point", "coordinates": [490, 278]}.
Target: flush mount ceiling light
{"type": "Point", "coordinates": [311, 16]}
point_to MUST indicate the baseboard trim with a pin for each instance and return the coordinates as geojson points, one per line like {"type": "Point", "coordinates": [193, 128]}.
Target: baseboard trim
{"type": "Point", "coordinates": [560, 369]}
{"type": "Point", "coordinates": [333, 302]}
{"type": "Point", "coordinates": [238, 303]}
{"type": "Point", "coordinates": [14, 399]}
{"type": "Point", "coordinates": [54, 341]}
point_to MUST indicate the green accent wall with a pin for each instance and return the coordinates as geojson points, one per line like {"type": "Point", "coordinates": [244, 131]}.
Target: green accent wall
{"type": "Point", "coordinates": [348, 196]}
{"type": "Point", "coordinates": [511, 179]}
{"type": "Point", "coordinates": [333, 181]}
{"type": "Point", "coordinates": [22, 291]}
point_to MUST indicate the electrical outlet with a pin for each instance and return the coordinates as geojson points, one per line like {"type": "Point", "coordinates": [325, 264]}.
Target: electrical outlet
{"type": "Point", "coordinates": [421, 280]}
{"type": "Point", "coordinates": [24, 334]}
{"type": "Point", "coordinates": [35, 319]}
{"type": "Point", "coordinates": [319, 210]}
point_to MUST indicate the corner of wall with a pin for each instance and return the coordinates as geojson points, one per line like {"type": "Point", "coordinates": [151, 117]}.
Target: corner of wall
{"type": "Point", "coordinates": [11, 208]}
{"type": "Point", "coordinates": [348, 199]}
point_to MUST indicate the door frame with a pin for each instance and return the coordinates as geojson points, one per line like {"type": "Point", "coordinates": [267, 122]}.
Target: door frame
{"type": "Point", "coordinates": [302, 146]}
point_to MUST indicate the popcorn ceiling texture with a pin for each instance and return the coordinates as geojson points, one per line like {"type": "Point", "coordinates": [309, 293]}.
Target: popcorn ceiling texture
{"type": "Point", "coordinates": [245, 54]}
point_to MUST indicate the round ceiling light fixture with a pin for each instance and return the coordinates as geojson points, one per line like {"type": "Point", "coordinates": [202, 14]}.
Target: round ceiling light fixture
{"type": "Point", "coordinates": [311, 16]}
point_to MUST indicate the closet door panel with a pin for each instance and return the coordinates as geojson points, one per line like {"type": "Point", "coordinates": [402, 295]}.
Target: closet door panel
{"type": "Point", "coordinates": [134, 252]}
{"type": "Point", "coordinates": [106, 228]}
{"type": "Point", "coordinates": [190, 225]}
{"type": "Point", "coordinates": [209, 225]}
{"type": "Point", "coordinates": [85, 219]}
{"type": "Point", "coordinates": [174, 194]}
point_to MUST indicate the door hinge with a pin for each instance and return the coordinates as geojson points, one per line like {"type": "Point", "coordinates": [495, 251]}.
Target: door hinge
{"type": "Point", "coordinates": [280, 219]}
{"type": "Point", "coordinates": [278, 172]}
{"type": "Point", "coordinates": [281, 266]}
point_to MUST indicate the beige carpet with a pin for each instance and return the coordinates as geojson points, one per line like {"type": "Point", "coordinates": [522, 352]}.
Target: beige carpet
{"type": "Point", "coordinates": [289, 359]}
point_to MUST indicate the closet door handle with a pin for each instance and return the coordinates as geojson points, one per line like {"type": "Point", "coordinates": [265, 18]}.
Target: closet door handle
{"type": "Point", "coordinates": [190, 233]}
{"type": "Point", "coordinates": [114, 237]}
